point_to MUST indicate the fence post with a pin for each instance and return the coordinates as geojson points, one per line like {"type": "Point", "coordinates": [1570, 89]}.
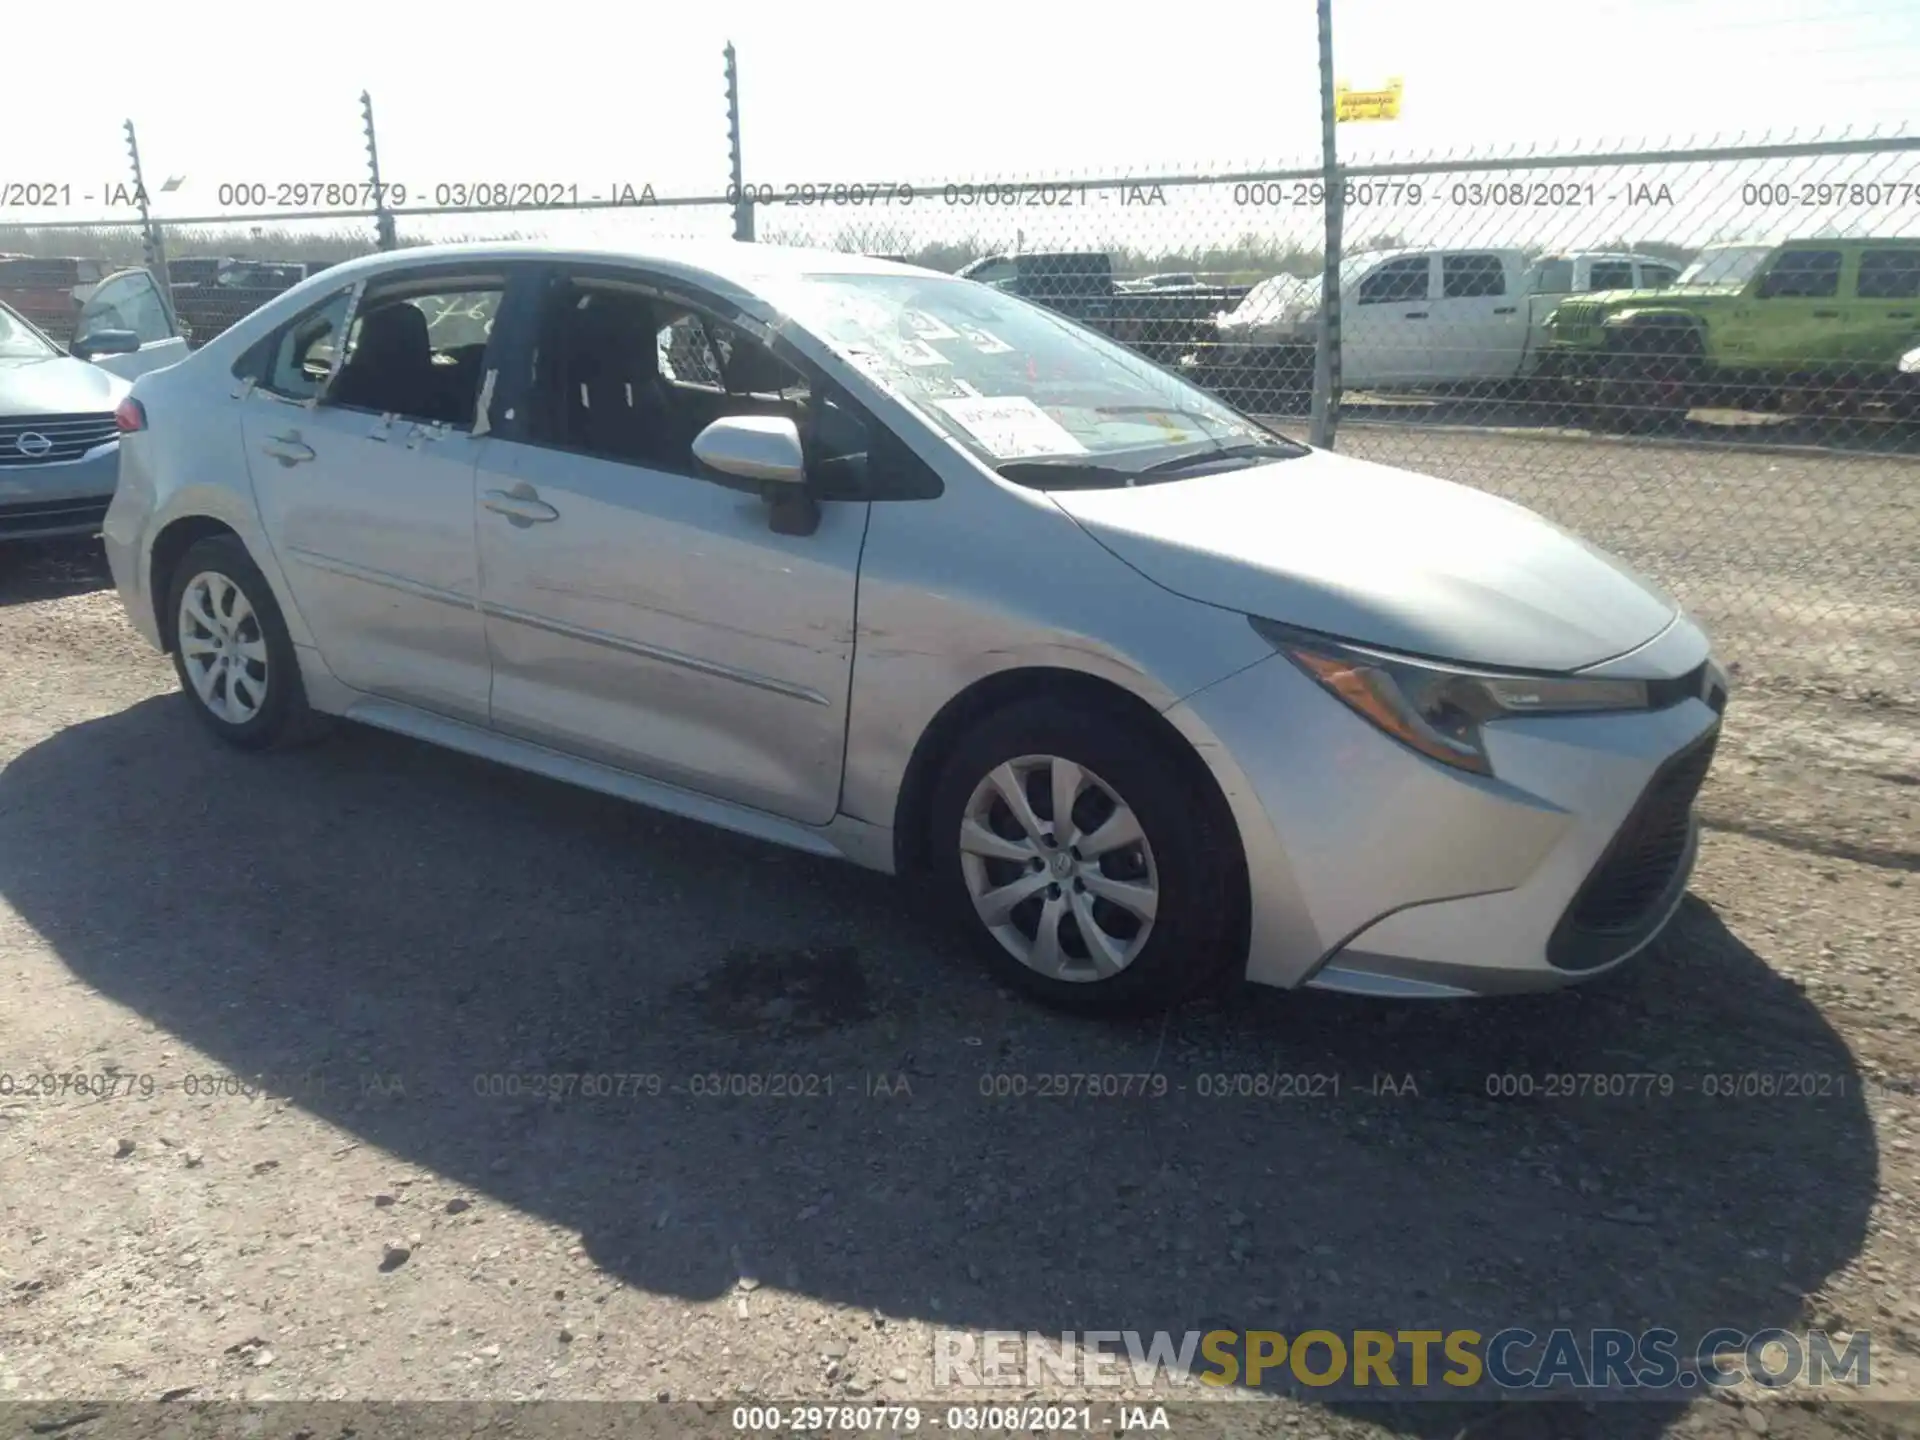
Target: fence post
{"type": "Point", "coordinates": [1325, 413]}
{"type": "Point", "coordinates": [742, 202]}
{"type": "Point", "coordinates": [384, 236]}
{"type": "Point", "coordinates": [152, 244]}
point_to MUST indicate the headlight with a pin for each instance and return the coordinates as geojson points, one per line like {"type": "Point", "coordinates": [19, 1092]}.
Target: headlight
{"type": "Point", "coordinates": [1439, 709]}
{"type": "Point", "coordinates": [1910, 363]}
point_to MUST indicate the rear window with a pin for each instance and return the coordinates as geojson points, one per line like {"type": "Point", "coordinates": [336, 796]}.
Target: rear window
{"type": "Point", "coordinates": [1553, 277]}
{"type": "Point", "coordinates": [1889, 275]}
{"type": "Point", "coordinates": [1610, 275]}
{"type": "Point", "coordinates": [1803, 275]}
{"type": "Point", "coordinates": [1467, 277]}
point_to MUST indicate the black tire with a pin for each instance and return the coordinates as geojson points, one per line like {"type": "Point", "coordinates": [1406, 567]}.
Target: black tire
{"type": "Point", "coordinates": [1634, 392]}
{"type": "Point", "coordinates": [283, 716]}
{"type": "Point", "coordinates": [1196, 940]}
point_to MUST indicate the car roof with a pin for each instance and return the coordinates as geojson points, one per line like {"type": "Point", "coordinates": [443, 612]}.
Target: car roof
{"type": "Point", "coordinates": [740, 262]}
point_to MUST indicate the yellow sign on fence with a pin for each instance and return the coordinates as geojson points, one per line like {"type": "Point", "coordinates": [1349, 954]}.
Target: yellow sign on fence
{"type": "Point", "coordinates": [1367, 104]}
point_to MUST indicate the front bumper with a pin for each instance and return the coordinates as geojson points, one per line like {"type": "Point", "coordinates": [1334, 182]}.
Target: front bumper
{"type": "Point", "coordinates": [1378, 871]}
{"type": "Point", "coordinates": [60, 501]}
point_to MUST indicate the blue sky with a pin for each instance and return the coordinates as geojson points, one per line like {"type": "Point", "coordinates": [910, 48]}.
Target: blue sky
{"type": "Point", "coordinates": [571, 93]}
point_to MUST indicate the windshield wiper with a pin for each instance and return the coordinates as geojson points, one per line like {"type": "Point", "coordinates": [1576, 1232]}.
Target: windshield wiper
{"type": "Point", "coordinates": [1254, 450]}
{"type": "Point", "coordinates": [1063, 474]}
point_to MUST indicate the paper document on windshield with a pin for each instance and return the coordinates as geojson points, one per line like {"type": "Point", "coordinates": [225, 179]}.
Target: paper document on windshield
{"type": "Point", "coordinates": [1012, 426]}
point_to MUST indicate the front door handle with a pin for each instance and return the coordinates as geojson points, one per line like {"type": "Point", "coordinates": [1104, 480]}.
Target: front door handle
{"type": "Point", "coordinates": [288, 449]}
{"type": "Point", "coordinates": [1826, 314]}
{"type": "Point", "coordinates": [521, 505]}
{"type": "Point", "coordinates": [1505, 309]}
{"type": "Point", "coordinates": [1900, 314]}
{"type": "Point", "coordinates": [1414, 315]}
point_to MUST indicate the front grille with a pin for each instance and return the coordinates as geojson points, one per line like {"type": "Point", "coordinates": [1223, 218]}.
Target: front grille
{"type": "Point", "coordinates": [68, 437]}
{"type": "Point", "coordinates": [1631, 887]}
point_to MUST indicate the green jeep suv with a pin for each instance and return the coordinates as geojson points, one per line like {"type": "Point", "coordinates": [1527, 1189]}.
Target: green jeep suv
{"type": "Point", "coordinates": [1750, 326]}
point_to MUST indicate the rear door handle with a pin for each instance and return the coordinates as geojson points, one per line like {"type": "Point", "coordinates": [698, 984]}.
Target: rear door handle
{"type": "Point", "coordinates": [288, 449]}
{"type": "Point", "coordinates": [1414, 315]}
{"type": "Point", "coordinates": [1900, 314]}
{"type": "Point", "coordinates": [521, 505]}
{"type": "Point", "coordinates": [1826, 314]}
{"type": "Point", "coordinates": [1505, 309]}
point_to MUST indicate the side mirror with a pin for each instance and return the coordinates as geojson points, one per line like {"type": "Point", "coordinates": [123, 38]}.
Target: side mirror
{"type": "Point", "coordinates": [765, 448]}
{"type": "Point", "coordinates": [104, 342]}
{"type": "Point", "coordinates": [753, 447]}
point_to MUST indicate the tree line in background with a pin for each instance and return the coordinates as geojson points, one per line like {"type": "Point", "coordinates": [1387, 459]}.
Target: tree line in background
{"type": "Point", "coordinates": [1251, 258]}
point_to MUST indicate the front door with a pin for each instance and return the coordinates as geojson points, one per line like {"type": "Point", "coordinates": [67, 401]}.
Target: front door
{"type": "Point", "coordinates": [641, 611]}
{"type": "Point", "coordinates": [130, 301]}
{"type": "Point", "coordinates": [364, 473]}
{"type": "Point", "coordinates": [1883, 320]}
{"type": "Point", "coordinates": [1386, 329]}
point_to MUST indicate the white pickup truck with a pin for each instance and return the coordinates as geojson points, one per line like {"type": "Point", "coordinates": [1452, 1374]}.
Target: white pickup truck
{"type": "Point", "coordinates": [1414, 318]}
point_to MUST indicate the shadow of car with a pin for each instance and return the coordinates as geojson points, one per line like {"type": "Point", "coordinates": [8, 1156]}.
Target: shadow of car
{"type": "Point", "coordinates": [376, 908]}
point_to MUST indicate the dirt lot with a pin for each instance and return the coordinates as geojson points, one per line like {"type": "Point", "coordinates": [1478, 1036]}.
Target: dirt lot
{"type": "Point", "coordinates": [379, 930]}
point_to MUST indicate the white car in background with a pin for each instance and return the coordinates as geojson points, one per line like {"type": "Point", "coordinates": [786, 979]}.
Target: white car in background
{"type": "Point", "coordinates": [1425, 317]}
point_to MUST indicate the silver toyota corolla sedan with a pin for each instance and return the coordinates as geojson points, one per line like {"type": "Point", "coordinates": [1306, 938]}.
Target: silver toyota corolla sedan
{"type": "Point", "coordinates": [891, 566]}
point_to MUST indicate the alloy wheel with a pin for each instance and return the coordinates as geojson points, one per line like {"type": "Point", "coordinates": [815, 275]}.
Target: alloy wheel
{"type": "Point", "coordinates": [1058, 868]}
{"type": "Point", "coordinates": [223, 648]}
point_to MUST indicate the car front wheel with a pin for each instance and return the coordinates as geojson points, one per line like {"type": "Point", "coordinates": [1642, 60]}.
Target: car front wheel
{"type": "Point", "coordinates": [232, 651]}
{"type": "Point", "coordinates": [1091, 873]}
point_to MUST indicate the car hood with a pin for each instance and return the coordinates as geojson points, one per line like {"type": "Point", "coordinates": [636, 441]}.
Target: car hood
{"type": "Point", "coordinates": [60, 386]}
{"type": "Point", "coordinates": [1381, 557]}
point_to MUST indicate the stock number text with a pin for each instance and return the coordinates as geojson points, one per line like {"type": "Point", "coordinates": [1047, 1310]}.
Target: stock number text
{"type": "Point", "coordinates": [860, 1418]}
{"type": "Point", "coordinates": [307, 194]}
{"type": "Point", "coordinates": [1306, 193]}
{"type": "Point", "coordinates": [1831, 192]}
{"type": "Point", "coordinates": [870, 192]}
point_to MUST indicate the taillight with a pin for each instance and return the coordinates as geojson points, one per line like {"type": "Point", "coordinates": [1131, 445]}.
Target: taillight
{"type": "Point", "coordinates": [130, 416]}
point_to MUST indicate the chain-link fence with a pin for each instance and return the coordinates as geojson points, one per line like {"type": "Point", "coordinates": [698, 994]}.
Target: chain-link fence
{"type": "Point", "coordinates": [1706, 360]}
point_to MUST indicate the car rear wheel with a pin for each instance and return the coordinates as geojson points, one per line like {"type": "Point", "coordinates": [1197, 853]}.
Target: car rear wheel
{"type": "Point", "coordinates": [232, 651]}
{"type": "Point", "coordinates": [1089, 871]}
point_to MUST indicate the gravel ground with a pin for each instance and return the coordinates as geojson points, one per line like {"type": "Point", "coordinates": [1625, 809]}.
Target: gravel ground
{"type": "Point", "coordinates": [378, 929]}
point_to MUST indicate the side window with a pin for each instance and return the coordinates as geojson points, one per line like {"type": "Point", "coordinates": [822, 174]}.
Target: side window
{"type": "Point", "coordinates": [1469, 277]}
{"type": "Point", "coordinates": [419, 354]}
{"type": "Point", "coordinates": [1803, 275]}
{"type": "Point", "coordinates": [1397, 282]}
{"type": "Point", "coordinates": [1657, 277]}
{"type": "Point", "coordinates": [1553, 277]}
{"type": "Point", "coordinates": [637, 378]}
{"type": "Point", "coordinates": [1610, 275]}
{"type": "Point", "coordinates": [1889, 275]}
{"type": "Point", "coordinates": [996, 273]}
{"type": "Point", "coordinates": [127, 302]}
{"type": "Point", "coordinates": [687, 353]}
{"type": "Point", "coordinates": [109, 307]}
{"type": "Point", "coordinates": [298, 360]}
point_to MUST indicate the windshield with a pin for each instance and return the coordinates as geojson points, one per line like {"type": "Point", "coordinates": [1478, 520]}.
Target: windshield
{"type": "Point", "coordinates": [18, 340]}
{"type": "Point", "coordinates": [1009, 380]}
{"type": "Point", "coordinates": [1725, 265]}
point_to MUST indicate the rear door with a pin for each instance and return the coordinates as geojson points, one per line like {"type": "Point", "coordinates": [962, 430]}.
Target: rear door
{"type": "Point", "coordinates": [130, 300]}
{"type": "Point", "coordinates": [363, 470]}
{"type": "Point", "coordinates": [1794, 320]}
{"type": "Point", "coordinates": [1386, 328]}
{"type": "Point", "coordinates": [1479, 327]}
{"type": "Point", "coordinates": [1883, 318]}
